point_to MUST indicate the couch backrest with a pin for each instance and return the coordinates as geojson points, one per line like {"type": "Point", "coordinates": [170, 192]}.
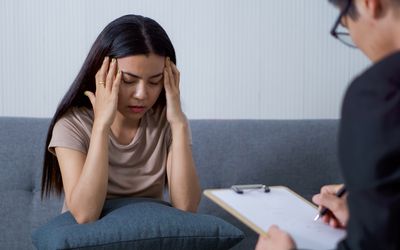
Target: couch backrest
{"type": "Point", "coordinates": [21, 157]}
{"type": "Point", "coordinates": [300, 154]}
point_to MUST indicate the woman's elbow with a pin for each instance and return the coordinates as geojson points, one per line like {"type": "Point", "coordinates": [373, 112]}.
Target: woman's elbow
{"type": "Point", "coordinates": [192, 209]}
{"type": "Point", "coordinates": [189, 206]}
{"type": "Point", "coordinates": [84, 217]}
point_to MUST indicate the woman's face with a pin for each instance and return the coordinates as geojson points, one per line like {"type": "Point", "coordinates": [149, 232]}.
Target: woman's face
{"type": "Point", "coordinates": [141, 84]}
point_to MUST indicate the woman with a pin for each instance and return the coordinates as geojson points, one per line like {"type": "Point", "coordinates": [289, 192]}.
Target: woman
{"type": "Point", "coordinates": [120, 131]}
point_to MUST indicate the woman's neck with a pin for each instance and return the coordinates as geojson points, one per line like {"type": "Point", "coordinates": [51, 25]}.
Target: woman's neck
{"type": "Point", "coordinates": [124, 130]}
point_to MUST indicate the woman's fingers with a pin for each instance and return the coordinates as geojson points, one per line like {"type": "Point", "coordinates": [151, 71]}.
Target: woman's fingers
{"type": "Point", "coordinates": [117, 83]}
{"type": "Point", "coordinates": [111, 74]}
{"type": "Point", "coordinates": [170, 74]}
{"type": "Point", "coordinates": [176, 73]}
{"type": "Point", "coordinates": [102, 73]}
{"type": "Point", "coordinates": [167, 84]}
{"type": "Point", "coordinates": [106, 75]}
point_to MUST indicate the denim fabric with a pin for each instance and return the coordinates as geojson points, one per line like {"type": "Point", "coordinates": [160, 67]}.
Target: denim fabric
{"type": "Point", "coordinates": [138, 223]}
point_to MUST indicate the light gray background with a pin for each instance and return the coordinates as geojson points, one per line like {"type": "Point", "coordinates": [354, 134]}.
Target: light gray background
{"type": "Point", "coordinates": [245, 59]}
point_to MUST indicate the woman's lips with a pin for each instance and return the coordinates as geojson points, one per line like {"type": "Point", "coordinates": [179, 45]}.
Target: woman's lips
{"type": "Point", "coordinates": [137, 109]}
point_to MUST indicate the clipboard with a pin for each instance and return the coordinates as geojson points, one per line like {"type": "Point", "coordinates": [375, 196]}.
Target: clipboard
{"type": "Point", "coordinates": [280, 206]}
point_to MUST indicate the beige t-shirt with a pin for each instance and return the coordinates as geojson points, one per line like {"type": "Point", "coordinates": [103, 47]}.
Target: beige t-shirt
{"type": "Point", "coordinates": [137, 169]}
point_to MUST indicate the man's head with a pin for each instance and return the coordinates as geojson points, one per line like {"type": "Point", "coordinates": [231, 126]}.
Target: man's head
{"type": "Point", "coordinates": [374, 25]}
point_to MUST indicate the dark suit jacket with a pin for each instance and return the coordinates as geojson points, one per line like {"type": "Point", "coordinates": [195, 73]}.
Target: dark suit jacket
{"type": "Point", "coordinates": [369, 152]}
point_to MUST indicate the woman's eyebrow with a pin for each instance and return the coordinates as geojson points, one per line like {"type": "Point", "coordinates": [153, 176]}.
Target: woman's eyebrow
{"type": "Point", "coordinates": [136, 76]}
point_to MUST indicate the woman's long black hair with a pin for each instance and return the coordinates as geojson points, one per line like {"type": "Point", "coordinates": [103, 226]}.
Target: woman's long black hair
{"type": "Point", "coordinates": [126, 36]}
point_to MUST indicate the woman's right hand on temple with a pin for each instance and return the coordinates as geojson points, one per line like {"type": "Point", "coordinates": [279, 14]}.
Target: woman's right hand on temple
{"type": "Point", "coordinates": [105, 100]}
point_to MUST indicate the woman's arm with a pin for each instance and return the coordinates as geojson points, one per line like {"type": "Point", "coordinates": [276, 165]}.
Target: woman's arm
{"type": "Point", "coordinates": [183, 183]}
{"type": "Point", "coordinates": [85, 177]}
{"type": "Point", "coordinates": [184, 188]}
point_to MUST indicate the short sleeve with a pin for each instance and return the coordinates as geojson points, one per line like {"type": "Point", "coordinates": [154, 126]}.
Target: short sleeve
{"type": "Point", "coordinates": [69, 133]}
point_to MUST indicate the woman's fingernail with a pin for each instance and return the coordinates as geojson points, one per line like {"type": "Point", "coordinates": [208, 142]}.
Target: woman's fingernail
{"type": "Point", "coordinates": [85, 93]}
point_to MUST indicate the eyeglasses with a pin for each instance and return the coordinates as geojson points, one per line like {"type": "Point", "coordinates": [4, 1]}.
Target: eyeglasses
{"type": "Point", "coordinates": [343, 36]}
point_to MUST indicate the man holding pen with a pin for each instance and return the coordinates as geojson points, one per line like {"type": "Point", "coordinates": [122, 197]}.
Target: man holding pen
{"type": "Point", "coordinates": [333, 205]}
{"type": "Point", "coordinates": [369, 137]}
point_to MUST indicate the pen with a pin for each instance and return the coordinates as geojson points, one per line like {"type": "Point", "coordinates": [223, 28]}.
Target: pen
{"type": "Point", "coordinates": [324, 210]}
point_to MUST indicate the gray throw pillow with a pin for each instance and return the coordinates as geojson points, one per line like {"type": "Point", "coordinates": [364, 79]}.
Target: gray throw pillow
{"type": "Point", "coordinates": [138, 223]}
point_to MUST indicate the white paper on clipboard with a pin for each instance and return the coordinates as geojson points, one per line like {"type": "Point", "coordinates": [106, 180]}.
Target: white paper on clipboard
{"type": "Point", "coordinates": [283, 207]}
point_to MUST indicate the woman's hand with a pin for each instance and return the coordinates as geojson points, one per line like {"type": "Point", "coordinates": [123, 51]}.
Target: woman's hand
{"type": "Point", "coordinates": [105, 101]}
{"type": "Point", "coordinates": [171, 84]}
{"type": "Point", "coordinates": [275, 239]}
{"type": "Point", "coordinates": [338, 214]}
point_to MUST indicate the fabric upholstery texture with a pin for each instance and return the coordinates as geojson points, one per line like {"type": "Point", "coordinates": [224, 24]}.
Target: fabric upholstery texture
{"type": "Point", "coordinates": [300, 154]}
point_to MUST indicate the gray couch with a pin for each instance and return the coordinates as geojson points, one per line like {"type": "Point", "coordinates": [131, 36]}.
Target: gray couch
{"type": "Point", "coordinates": [300, 154]}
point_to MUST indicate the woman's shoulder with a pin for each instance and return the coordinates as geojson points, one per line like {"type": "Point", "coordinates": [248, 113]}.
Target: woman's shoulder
{"type": "Point", "coordinates": [73, 130]}
{"type": "Point", "coordinates": [78, 117]}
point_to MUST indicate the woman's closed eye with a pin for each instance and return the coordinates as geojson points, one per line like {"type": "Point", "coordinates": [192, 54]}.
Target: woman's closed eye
{"type": "Point", "coordinates": [130, 79]}
{"type": "Point", "coordinates": [156, 80]}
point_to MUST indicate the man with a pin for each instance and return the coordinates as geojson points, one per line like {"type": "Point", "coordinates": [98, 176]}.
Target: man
{"type": "Point", "coordinates": [369, 137]}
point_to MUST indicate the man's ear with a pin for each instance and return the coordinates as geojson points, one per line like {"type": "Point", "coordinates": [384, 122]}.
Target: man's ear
{"type": "Point", "coordinates": [372, 7]}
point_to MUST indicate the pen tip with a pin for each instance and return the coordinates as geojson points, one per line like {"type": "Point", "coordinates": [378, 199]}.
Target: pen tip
{"type": "Point", "coordinates": [316, 217]}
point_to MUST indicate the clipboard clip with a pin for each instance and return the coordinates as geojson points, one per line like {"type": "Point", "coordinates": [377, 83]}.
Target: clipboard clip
{"type": "Point", "coordinates": [240, 188]}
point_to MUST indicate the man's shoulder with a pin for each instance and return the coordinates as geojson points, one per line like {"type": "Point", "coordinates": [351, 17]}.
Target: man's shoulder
{"type": "Point", "coordinates": [379, 80]}
{"type": "Point", "coordinates": [386, 70]}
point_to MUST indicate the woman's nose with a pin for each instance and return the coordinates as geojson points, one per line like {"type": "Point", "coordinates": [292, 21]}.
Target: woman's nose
{"type": "Point", "coordinates": [140, 91]}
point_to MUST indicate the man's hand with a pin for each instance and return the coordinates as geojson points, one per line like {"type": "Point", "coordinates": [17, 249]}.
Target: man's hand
{"type": "Point", "coordinates": [275, 239]}
{"type": "Point", "coordinates": [338, 214]}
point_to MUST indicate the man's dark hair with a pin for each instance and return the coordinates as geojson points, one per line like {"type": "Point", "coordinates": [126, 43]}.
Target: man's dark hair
{"type": "Point", "coordinates": [342, 4]}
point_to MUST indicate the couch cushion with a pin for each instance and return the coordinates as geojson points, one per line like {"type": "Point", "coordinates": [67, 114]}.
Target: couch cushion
{"type": "Point", "coordinates": [138, 223]}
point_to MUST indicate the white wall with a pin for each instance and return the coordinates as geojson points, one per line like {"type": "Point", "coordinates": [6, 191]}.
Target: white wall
{"type": "Point", "coordinates": [258, 59]}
